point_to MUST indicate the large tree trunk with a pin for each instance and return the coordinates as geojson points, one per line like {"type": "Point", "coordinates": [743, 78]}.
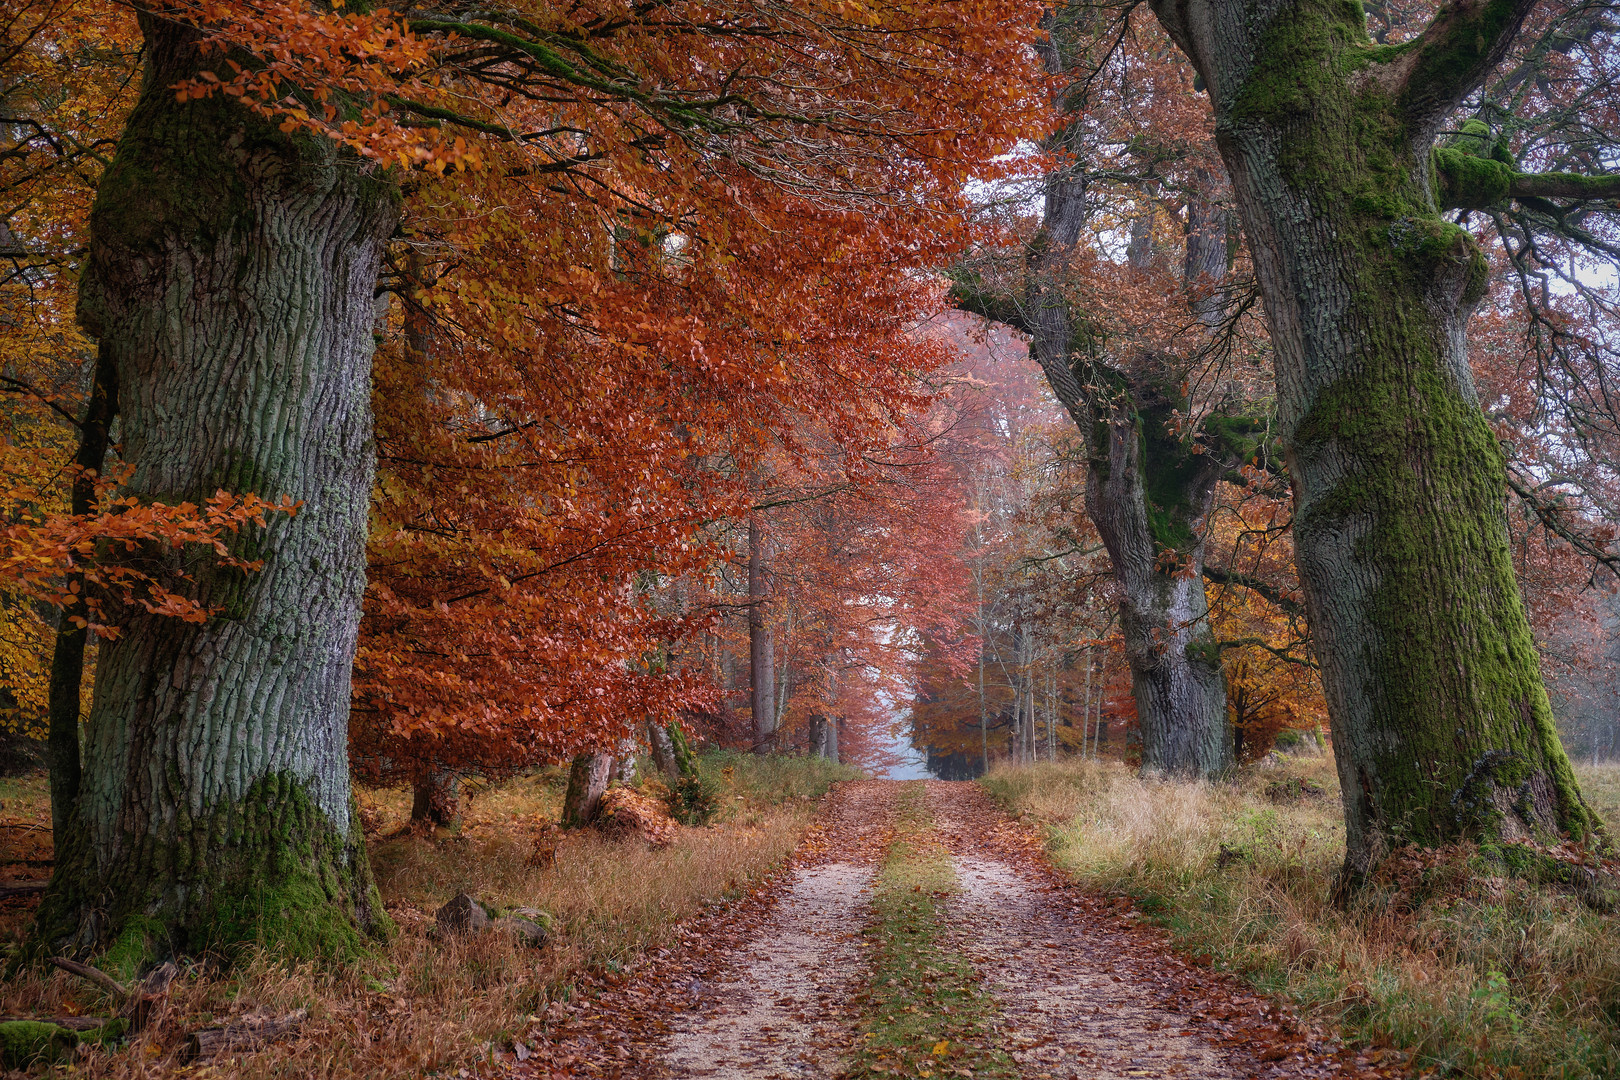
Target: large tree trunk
{"type": "Point", "coordinates": [230, 280]}
{"type": "Point", "coordinates": [761, 642]}
{"type": "Point", "coordinates": [1441, 725]}
{"type": "Point", "coordinates": [1164, 614]}
{"type": "Point", "coordinates": [67, 656]}
{"type": "Point", "coordinates": [1148, 494]}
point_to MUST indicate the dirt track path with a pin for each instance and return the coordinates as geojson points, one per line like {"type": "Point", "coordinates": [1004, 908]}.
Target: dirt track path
{"type": "Point", "coordinates": [1082, 988]}
{"type": "Point", "coordinates": [782, 1008]}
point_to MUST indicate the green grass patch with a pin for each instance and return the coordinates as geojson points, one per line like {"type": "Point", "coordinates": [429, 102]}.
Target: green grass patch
{"type": "Point", "coordinates": [771, 779]}
{"type": "Point", "coordinates": [1476, 971]}
{"type": "Point", "coordinates": [926, 1013]}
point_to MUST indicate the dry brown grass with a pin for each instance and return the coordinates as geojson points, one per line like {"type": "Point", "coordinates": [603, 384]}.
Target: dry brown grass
{"type": "Point", "coordinates": [1478, 975]}
{"type": "Point", "coordinates": [421, 1004]}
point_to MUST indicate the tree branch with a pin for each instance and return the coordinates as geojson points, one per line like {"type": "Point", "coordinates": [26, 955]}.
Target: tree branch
{"type": "Point", "coordinates": [1552, 519]}
{"type": "Point", "coordinates": [1260, 643]}
{"type": "Point", "coordinates": [1454, 54]}
{"type": "Point", "coordinates": [1266, 591]}
{"type": "Point", "coordinates": [1468, 181]}
{"type": "Point", "coordinates": [970, 293]}
{"type": "Point", "coordinates": [1565, 186]}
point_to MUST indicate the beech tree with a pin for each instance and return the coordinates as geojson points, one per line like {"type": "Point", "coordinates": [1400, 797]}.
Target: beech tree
{"type": "Point", "coordinates": [236, 241]}
{"type": "Point", "coordinates": [1344, 173]}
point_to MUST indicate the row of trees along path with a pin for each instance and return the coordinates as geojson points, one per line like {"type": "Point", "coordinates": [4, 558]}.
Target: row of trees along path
{"type": "Point", "coordinates": [777, 984]}
{"type": "Point", "coordinates": [708, 168]}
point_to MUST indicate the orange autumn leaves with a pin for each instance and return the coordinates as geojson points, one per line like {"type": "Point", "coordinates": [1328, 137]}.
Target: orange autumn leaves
{"type": "Point", "coordinates": [619, 338]}
{"type": "Point", "coordinates": [645, 250]}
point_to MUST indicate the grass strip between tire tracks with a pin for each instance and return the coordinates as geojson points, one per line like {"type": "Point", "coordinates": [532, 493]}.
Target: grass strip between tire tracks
{"type": "Point", "coordinates": [926, 1013]}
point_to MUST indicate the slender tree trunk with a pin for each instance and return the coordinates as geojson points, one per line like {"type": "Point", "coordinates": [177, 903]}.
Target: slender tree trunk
{"type": "Point", "coordinates": [761, 646]}
{"type": "Point", "coordinates": [1085, 714]}
{"type": "Point", "coordinates": [230, 282]}
{"type": "Point", "coordinates": [984, 717]}
{"type": "Point", "coordinates": [1441, 724]}
{"type": "Point", "coordinates": [67, 658]}
{"type": "Point", "coordinates": [624, 761]}
{"type": "Point", "coordinates": [663, 752]}
{"type": "Point", "coordinates": [1051, 717]}
{"type": "Point", "coordinates": [824, 737]}
{"type": "Point", "coordinates": [436, 800]}
{"type": "Point", "coordinates": [587, 781]}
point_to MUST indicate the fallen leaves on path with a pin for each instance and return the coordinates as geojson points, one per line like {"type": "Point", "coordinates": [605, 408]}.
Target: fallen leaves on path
{"type": "Point", "coordinates": [1071, 934]}
{"type": "Point", "coordinates": [623, 1025]}
{"type": "Point", "coordinates": [633, 1023]}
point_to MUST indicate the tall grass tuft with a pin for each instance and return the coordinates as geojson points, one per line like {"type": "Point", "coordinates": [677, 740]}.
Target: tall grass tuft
{"type": "Point", "coordinates": [1476, 974]}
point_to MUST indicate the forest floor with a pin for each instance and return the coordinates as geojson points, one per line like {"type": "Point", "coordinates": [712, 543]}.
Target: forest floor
{"type": "Point", "coordinates": [921, 931]}
{"type": "Point", "coordinates": [1057, 921]}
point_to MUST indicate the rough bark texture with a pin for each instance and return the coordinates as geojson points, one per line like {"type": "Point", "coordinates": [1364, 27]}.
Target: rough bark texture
{"type": "Point", "coordinates": [1148, 494]}
{"type": "Point", "coordinates": [1441, 725]}
{"type": "Point", "coordinates": [230, 281]}
{"type": "Point", "coordinates": [824, 737]}
{"type": "Point", "coordinates": [663, 752]}
{"type": "Point", "coordinates": [587, 781]}
{"type": "Point", "coordinates": [436, 799]}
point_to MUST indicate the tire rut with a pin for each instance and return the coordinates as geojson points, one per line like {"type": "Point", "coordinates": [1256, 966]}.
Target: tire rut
{"type": "Point", "coordinates": [782, 1008]}
{"type": "Point", "coordinates": [763, 990]}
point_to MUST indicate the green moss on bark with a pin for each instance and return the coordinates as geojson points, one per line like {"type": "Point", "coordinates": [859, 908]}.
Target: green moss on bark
{"type": "Point", "coordinates": [270, 871]}
{"type": "Point", "coordinates": [25, 1043]}
{"type": "Point", "coordinates": [1463, 741]}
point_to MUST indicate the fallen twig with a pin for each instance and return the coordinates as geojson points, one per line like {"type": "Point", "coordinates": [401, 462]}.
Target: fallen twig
{"type": "Point", "coordinates": [100, 978]}
{"type": "Point", "coordinates": [27, 889]}
{"type": "Point", "coordinates": [73, 1023]}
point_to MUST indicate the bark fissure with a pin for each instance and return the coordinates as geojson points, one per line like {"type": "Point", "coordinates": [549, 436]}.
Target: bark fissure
{"type": "Point", "coordinates": [1427, 660]}
{"type": "Point", "coordinates": [230, 282]}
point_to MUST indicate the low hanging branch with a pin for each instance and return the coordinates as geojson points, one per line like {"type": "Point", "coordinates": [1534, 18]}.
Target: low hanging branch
{"type": "Point", "coordinates": [1552, 517]}
{"type": "Point", "coordinates": [84, 971]}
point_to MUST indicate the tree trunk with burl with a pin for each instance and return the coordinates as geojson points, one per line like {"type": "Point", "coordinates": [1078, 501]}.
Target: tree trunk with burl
{"type": "Point", "coordinates": [1441, 725]}
{"type": "Point", "coordinates": [230, 282]}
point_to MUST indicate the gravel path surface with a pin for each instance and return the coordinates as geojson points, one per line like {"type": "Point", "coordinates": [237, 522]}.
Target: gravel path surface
{"type": "Point", "coordinates": [1083, 989]}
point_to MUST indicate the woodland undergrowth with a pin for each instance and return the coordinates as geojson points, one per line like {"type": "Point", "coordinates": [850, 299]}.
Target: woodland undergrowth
{"type": "Point", "coordinates": [1472, 972]}
{"type": "Point", "coordinates": [420, 1004]}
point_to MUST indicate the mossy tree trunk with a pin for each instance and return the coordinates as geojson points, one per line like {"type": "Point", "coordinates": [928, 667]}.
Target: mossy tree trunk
{"type": "Point", "coordinates": [230, 279]}
{"type": "Point", "coordinates": [587, 782]}
{"type": "Point", "coordinates": [1149, 495]}
{"type": "Point", "coordinates": [1147, 491]}
{"type": "Point", "coordinates": [1441, 725]}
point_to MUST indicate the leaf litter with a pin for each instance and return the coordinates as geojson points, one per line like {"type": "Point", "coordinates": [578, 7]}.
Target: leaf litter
{"type": "Point", "coordinates": [765, 987]}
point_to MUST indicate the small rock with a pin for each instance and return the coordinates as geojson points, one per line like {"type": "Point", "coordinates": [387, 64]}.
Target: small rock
{"type": "Point", "coordinates": [527, 931]}
{"type": "Point", "coordinates": [462, 915]}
